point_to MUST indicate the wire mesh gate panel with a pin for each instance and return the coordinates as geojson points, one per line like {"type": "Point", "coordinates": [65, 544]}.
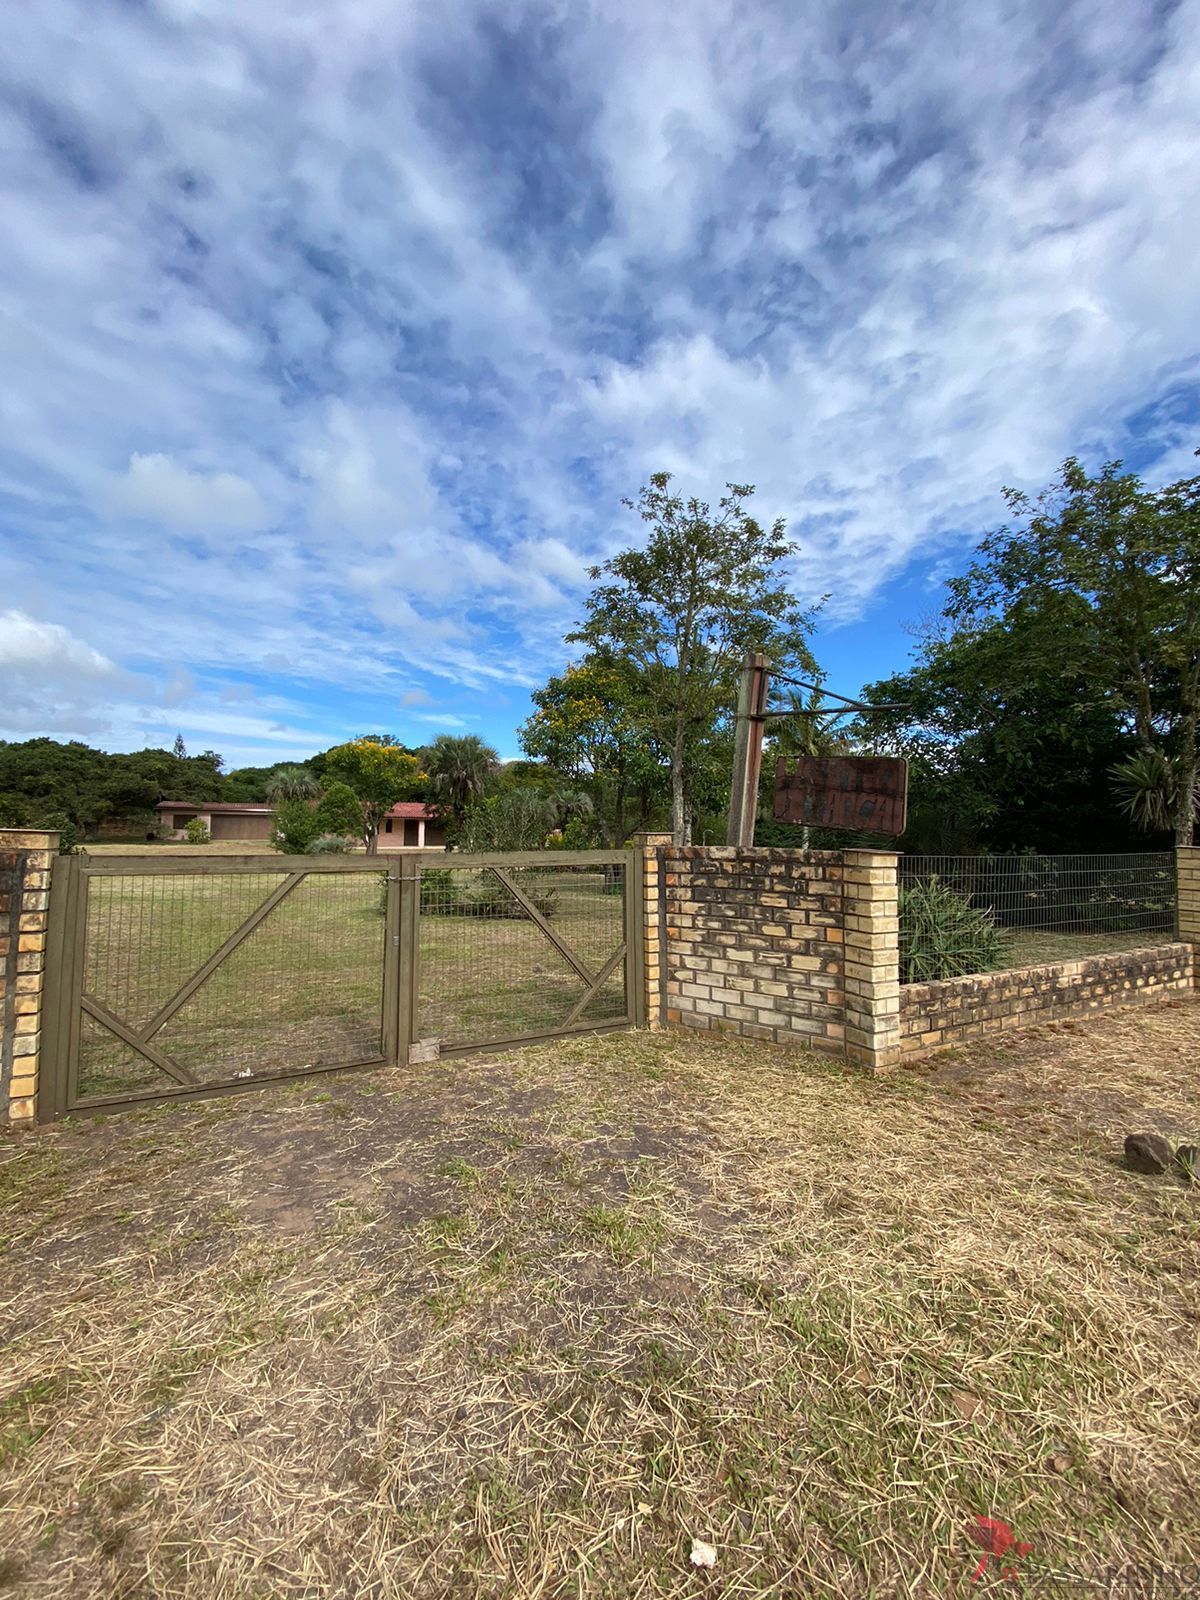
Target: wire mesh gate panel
{"type": "Point", "coordinates": [519, 947]}
{"type": "Point", "coordinates": [176, 976]}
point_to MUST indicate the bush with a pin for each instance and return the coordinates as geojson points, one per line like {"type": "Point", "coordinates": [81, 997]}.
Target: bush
{"type": "Point", "coordinates": [68, 833]}
{"type": "Point", "coordinates": [340, 812]}
{"type": "Point", "coordinates": [197, 832]}
{"type": "Point", "coordinates": [294, 827]}
{"type": "Point", "coordinates": [328, 844]}
{"type": "Point", "coordinates": [445, 893]}
{"type": "Point", "coordinates": [439, 892]}
{"type": "Point", "coordinates": [943, 936]}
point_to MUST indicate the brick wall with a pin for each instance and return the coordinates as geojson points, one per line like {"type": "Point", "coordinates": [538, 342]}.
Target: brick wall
{"type": "Point", "coordinates": [1187, 867]}
{"type": "Point", "coordinates": [25, 859]}
{"type": "Point", "coordinates": [790, 946]}
{"type": "Point", "coordinates": [934, 1015]}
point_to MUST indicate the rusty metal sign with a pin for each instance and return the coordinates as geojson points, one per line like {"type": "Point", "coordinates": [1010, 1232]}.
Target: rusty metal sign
{"type": "Point", "coordinates": [866, 793]}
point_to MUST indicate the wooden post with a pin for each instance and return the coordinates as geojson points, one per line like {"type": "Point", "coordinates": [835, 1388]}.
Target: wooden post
{"type": "Point", "coordinates": [747, 749]}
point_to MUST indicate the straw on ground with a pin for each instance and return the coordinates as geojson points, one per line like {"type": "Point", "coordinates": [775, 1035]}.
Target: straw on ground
{"type": "Point", "coordinates": [541, 1325]}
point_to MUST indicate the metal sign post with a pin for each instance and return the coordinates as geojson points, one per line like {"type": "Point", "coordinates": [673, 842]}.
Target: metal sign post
{"type": "Point", "coordinates": [747, 749]}
{"type": "Point", "coordinates": [864, 793]}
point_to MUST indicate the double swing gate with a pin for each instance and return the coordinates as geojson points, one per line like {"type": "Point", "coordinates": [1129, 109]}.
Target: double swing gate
{"type": "Point", "coordinates": [174, 976]}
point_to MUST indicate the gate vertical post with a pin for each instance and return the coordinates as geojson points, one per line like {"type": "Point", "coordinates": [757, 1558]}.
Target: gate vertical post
{"type": "Point", "coordinates": [61, 996]}
{"type": "Point", "coordinates": [633, 890]}
{"type": "Point", "coordinates": [392, 978]}
{"type": "Point", "coordinates": [409, 953]}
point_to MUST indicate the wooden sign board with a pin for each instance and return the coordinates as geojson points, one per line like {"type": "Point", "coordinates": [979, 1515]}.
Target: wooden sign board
{"type": "Point", "coordinates": [866, 793]}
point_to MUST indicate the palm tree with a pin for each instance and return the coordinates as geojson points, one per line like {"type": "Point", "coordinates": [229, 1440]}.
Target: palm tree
{"type": "Point", "coordinates": [1147, 785]}
{"type": "Point", "coordinates": [459, 767]}
{"type": "Point", "coordinates": [292, 783]}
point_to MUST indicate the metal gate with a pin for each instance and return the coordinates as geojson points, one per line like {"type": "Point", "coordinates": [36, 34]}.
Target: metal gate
{"type": "Point", "coordinates": [176, 976]}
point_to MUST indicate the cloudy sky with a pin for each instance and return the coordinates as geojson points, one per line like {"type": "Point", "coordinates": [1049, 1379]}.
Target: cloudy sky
{"type": "Point", "coordinates": [333, 331]}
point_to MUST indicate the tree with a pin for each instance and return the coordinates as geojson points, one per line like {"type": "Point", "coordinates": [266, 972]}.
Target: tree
{"type": "Point", "coordinates": [179, 749]}
{"type": "Point", "coordinates": [583, 726]}
{"type": "Point", "coordinates": [1008, 749]}
{"type": "Point", "coordinates": [681, 613]}
{"type": "Point", "coordinates": [460, 768]}
{"type": "Point", "coordinates": [294, 782]}
{"type": "Point", "coordinates": [294, 826]}
{"type": "Point", "coordinates": [340, 812]}
{"type": "Point", "coordinates": [1104, 577]}
{"type": "Point", "coordinates": [379, 773]}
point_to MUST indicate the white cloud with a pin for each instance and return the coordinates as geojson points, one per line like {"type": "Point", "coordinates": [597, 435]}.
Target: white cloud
{"type": "Point", "coordinates": [331, 345]}
{"type": "Point", "coordinates": [157, 489]}
{"type": "Point", "coordinates": [52, 681]}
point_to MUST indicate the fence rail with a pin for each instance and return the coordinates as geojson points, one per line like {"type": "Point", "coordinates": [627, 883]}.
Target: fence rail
{"type": "Point", "coordinates": [964, 914]}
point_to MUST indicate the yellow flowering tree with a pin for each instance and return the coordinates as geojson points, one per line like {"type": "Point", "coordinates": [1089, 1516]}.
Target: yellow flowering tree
{"type": "Point", "coordinates": [381, 773]}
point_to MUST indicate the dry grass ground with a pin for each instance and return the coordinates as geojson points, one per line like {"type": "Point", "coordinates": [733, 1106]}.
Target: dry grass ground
{"type": "Point", "coordinates": [526, 1326]}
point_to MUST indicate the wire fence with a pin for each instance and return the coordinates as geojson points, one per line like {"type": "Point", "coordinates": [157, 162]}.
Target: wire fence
{"type": "Point", "coordinates": [965, 914]}
{"type": "Point", "coordinates": [511, 953]}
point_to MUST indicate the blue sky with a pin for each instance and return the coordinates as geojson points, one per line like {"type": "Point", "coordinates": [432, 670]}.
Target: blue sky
{"type": "Point", "coordinates": [332, 334]}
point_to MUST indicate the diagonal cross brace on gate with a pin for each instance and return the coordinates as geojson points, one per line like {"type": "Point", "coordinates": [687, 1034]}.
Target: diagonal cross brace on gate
{"type": "Point", "coordinates": [140, 1041]}
{"type": "Point", "coordinates": [383, 979]}
{"type": "Point", "coordinates": [594, 981]}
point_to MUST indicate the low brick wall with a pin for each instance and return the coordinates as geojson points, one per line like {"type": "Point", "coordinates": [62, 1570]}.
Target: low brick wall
{"type": "Point", "coordinates": [934, 1015]}
{"type": "Point", "coordinates": [25, 858]}
{"type": "Point", "coordinates": [788, 946]}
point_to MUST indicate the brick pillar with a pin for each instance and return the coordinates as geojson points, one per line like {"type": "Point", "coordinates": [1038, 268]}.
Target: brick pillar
{"type": "Point", "coordinates": [1187, 865]}
{"type": "Point", "coordinates": [872, 912]}
{"type": "Point", "coordinates": [25, 859]}
{"type": "Point", "coordinates": [648, 846]}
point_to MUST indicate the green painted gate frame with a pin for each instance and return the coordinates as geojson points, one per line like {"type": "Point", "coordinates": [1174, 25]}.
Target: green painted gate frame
{"type": "Point", "coordinates": [66, 1003]}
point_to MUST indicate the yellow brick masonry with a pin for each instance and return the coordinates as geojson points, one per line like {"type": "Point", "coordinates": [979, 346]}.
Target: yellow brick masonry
{"type": "Point", "coordinates": [25, 859]}
{"type": "Point", "coordinates": [648, 844]}
{"type": "Point", "coordinates": [937, 1015]}
{"type": "Point", "coordinates": [787, 946]}
{"type": "Point", "coordinates": [1188, 867]}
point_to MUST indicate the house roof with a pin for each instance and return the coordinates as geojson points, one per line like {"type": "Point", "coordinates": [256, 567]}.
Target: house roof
{"type": "Point", "coordinates": [226, 807]}
{"type": "Point", "coordinates": [413, 809]}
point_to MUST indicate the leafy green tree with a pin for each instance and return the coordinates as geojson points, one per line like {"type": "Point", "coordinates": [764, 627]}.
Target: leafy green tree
{"type": "Point", "coordinates": [460, 770]}
{"type": "Point", "coordinates": [517, 819]}
{"type": "Point", "coordinates": [380, 773]}
{"type": "Point", "coordinates": [681, 612]}
{"type": "Point", "coordinates": [294, 827]}
{"type": "Point", "coordinates": [179, 749]}
{"type": "Point", "coordinates": [196, 832]}
{"type": "Point", "coordinates": [294, 782]}
{"type": "Point", "coordinates": [1007, 749]}
{"type": "Point", "coordinates": [582, 726]}
{"type": "Point", "coordinates": [1103, 575]}
{"type": "Point", "coordinates": [340, 812]}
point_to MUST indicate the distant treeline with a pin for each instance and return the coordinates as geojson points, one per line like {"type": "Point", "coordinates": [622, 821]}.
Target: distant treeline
{"type": "Point", "coordinates": [45, 783]}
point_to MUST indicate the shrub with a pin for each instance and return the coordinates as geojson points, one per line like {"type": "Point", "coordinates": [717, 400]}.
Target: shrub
{"type": "Point", "coordinates": [197, 832]}
{"type": "Point", "coordinates": [68, 833]}
{"type": "Point", "coordinates": [942, 935]}
{"type": "Point", "coordinates": [439, 892]}
{"type": "Point", "coordinates": [294, 827]}
{"type": "Point", "coordinates": [445, 893]}
{"type": "Point", "coordinates": [340, 812]}
{"type": "Point", "coordinates": [328, 844]}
